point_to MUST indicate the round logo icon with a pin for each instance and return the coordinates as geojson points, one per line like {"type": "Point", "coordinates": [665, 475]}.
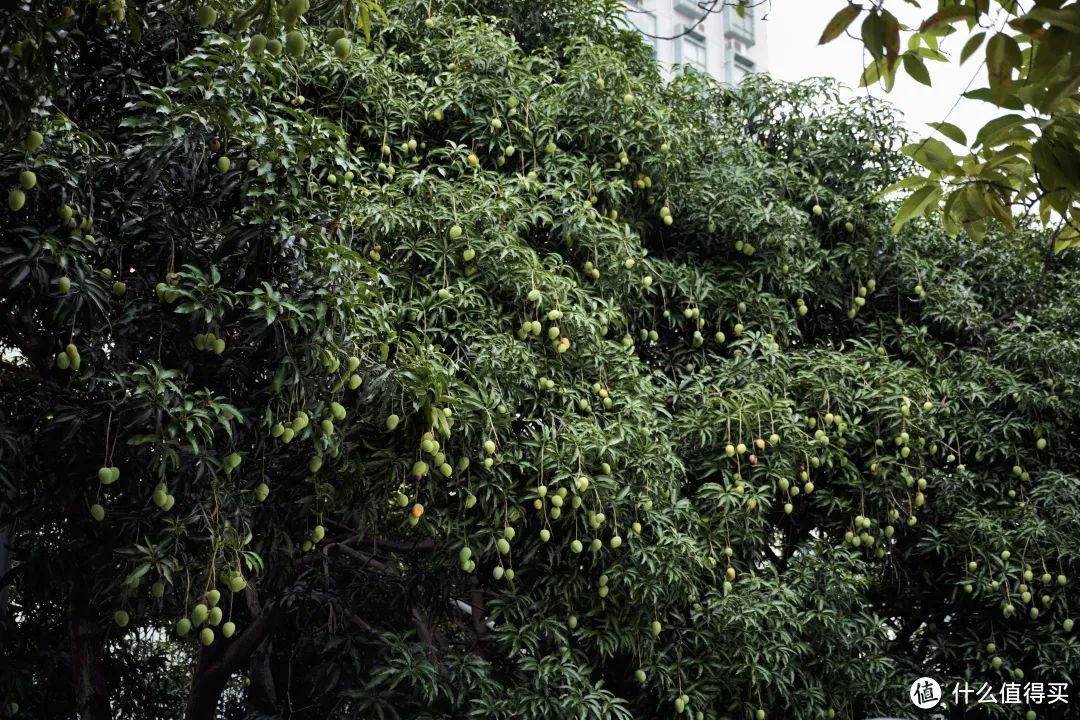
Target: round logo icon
{"type": "Point", "coordinates": [925, 693]}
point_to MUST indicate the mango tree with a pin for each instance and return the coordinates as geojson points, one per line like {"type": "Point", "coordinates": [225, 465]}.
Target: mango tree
{"type": "Point", "coordinates": [409, 361]}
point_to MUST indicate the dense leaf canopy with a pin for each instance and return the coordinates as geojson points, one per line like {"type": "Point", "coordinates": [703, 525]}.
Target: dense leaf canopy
{"type": "Point", "coordinates": [472, 371]}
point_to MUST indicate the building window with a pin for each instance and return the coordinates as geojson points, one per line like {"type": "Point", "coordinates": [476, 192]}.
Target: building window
{"type": "Point", "coordinates": [737, 67]}
{"type": "Point", "coordinates": [692, 54]}
{"type": "Point", "coordinates": [740, 27]}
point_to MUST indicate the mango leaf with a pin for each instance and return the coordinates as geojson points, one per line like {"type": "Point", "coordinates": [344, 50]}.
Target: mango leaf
{"type": "Point", "coordinates": [930, 54]}
{"type": "Point", "coordinates": [839, 23]}
{"type": "Point", "coordinates": [1058, 201]}
{"type": "Point", "coordinates": [888, 74]}
{"type": "Point", "coordinates": [949, 221]}
{"type": "Point", "coordinates": [1068, 158]}
{"type": "Point", "coordinates": [1002, 56]}
{"type": "Point", "coordinates": [1051, 175]}
{"type": "Point", "coordinates": [1067, 18]}
{"type": "Point", "coordinates": [997, 208]}
{"type": "Point", "coordinates": [950, 131]}
{"type": "Point", "coordinates": [977, 230]}
{"type": "Point", "coordinates": [909, 183]}
{"type": "Point", "coordinates": [916, 68]}
{"type": "Point", "coordinates": [873, 35]}
{"type": "Point", "coordinates": [991, 130]}
{"type": "Point", "coordinates": [1015, 156]}
{"type": "Point", "coordinates": [870, 74]}
{"type": "Point", "coordinates": [971, 46]}
{"type": "Point", "coordinates": [364, 21]}
{"type": "Point", "coordinates": [1067, 238]}
{"type": "Point", "coordinates": [137, 573]}
{"type": "Point", "coordinates": [1045, 211]}
{"type": "Point", "coordinates": [892, 39]}
{"type": "Point", "coordinates": [1058, 92]}
{"type": "Point", "coordinates": [948, 15]}
{"type": "Point", "coordinates": [1010, 103]}
{"type": "Point", "coordinates": [973, 201]}
{"type": "Point", "coordinates": [1052, 48]}
{"type": "Point", "coordinates": [931, 153]}
{"type": "Point", "coordinates": [915, 205]}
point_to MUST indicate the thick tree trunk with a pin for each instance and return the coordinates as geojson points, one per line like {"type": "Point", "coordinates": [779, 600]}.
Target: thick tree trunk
{"type": "Point", "coordinates": [5, 567]}
{"type": "Point", "coordinates": [7, 537]}
{"type": "Point", "coordinates": [87, 666]}
{"type": "Point", "coordinates": [205, 690]}
{"type": "Point", "coordinates": [218, 662]}
{"type": "Point", "coordinates": [263, 692]}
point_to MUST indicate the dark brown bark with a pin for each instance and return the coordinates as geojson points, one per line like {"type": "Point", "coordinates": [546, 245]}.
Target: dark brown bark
{"type": "Point", "coordinates": [476, 600]}
{"type": "Point", "coordinates": [87, 648]}
{"type": "Point", "coordinates": [6, 575]}
{"type": "Point", "coordinates": [363, 558]}
{"type": "Point", "coordinates": [423, 626]}
{"type": "Point", "coordinates": [354, 537]}
{"type": "Point", "coordinates": [219, 661]}
{"type": "Point", "coordinates": [363, 625]}
{"type": "Point", "coordinates": [263, 691]}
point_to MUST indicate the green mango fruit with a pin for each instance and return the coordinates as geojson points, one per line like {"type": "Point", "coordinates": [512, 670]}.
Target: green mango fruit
{"type": "Point", "coordinates": [207, 16]}
{"type": "Point", "coordinates": [33, 141]}
{"type": "Point", "coordinates": [343, 48]}
{"type": "Point", "coordinates": [295, 43]}
{"type": "Point", "coordinates": [257, 46]}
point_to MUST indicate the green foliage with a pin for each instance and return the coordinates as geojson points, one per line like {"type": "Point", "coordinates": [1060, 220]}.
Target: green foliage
{"type": "Point", "coordinates": [493, 374]}
{"type": "Point", "coordinates": [1027, 157]}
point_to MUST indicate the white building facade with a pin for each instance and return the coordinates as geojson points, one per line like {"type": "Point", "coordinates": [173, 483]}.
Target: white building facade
{"type": "Point", "coordinates": [705, 35]}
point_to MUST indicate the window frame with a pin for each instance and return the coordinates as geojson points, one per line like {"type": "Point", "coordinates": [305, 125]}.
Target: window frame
{"type": "Point", "coordinates": [742, 28]}
{"type": "Point", "coordinates": [699, 42]}
{"type": "Point", "coordinates": [738, 62]}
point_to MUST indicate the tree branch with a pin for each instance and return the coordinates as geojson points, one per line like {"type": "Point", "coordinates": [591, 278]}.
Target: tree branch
{"type": "Point", "coordinates": [362, 624]}
{"type": "Point", "coordinates": [364, 558]}
{"type": "Point", "coordinates": [476, 598]}
{"type": "Point", "coordinates": [221, 659]}
{"type": "Point", "coordinates": [355, 538]}
{"type": "Point", "coordinates": [423, 627]}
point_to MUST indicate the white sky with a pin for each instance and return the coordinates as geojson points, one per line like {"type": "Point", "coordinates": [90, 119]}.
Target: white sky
{"type": "Point", "coordinates": [794, 27]}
